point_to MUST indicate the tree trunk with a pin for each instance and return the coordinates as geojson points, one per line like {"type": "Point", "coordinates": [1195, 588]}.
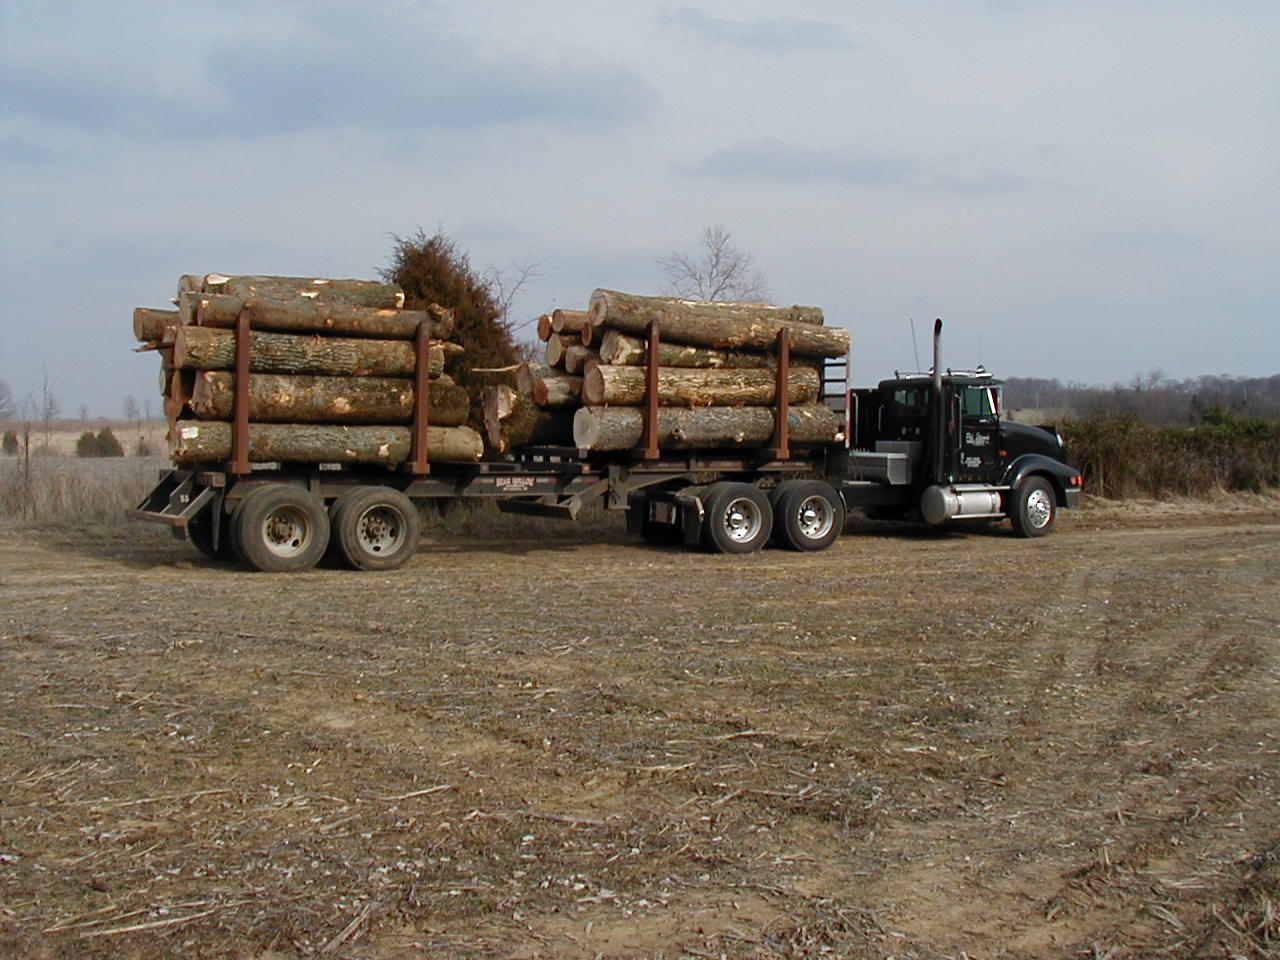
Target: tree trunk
{"type": "Point", "coordinates": [360, 293]}
{"type": "Point", "coordinates": [556, 391]}
{"type": "Point", "coordinates": [569, 321]}
{"type": "Point", "coordinates": [576, 357]}
{"type": "Point", "coordinates": [625, 386]}
{"type": "Point", "coordinates": [277, 398]}
{"type": "Point", "coordinates": [315, 316]}
{"type": "Point", "coordinates": [513, 420]}
{"type": "Point", "coordinates": [530, 371]}
{"type": "Point", "coordinates": [197, 441]}
{"type": "Point", "coordinates": [149, 325]}
{"type": "Point", "coordinates": [557, 345]}
{"type": "Point", "coordinates": [619, 349]}
{"type": "Point", "coordinates": [544, 327]}
{"type": "Point", "coordinates": [731, 327]}
{"type": "Point", "coordinates": [701, 428]}
{"type": "Point", "coordinates": [207, 348]}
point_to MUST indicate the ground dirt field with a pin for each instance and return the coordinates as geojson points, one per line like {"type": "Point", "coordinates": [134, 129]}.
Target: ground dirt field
{"type": "Point", "coordinates": [912, 745]}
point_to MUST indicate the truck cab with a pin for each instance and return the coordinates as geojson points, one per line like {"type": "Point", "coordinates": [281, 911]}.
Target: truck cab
{"type": "Point", "coordinates": [936, 445]}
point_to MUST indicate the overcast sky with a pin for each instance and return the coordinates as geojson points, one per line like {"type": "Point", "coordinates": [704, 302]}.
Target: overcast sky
{"type": "Point", "coordinates": [1081, 190]}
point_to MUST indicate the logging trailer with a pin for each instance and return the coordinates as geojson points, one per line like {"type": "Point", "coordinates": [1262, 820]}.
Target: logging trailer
{"type": "Point", "coordinates": [931, 446]}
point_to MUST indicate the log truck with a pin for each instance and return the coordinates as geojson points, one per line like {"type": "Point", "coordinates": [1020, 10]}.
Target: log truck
{"type": "Point", "coordinates": [932, 446]}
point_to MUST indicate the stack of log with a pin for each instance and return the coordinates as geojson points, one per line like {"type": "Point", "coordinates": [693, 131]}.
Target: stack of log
{"type": "Point", "coordinates": [717, 378]}
{"type": "Point", "coordinates": [332, 366]}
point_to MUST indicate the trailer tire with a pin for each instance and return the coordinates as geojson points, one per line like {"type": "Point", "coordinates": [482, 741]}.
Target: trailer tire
{"type": "Point", "coordinates": [738, 518]}
{"type": "Point", "coordinates": [280, 528]}
{"type": "Point", "coordinates": [1035, 508]}
{"type": "Point", "coordinates": [200, 533]}
{"type": "Point", "coordinates": [374, 528]}
{"type": "Point", "coordinates": [808, 515]}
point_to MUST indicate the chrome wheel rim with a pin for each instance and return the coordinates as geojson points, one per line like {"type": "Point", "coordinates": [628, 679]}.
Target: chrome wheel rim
{"type": "Point", "coordinates": [380, 530]}
{"type": "Point", "coordinates": [743, 520]}
{"type": "Point", "coordinates": [815, 518]}
{"type": "Point", "coordinates": [1039, 508]}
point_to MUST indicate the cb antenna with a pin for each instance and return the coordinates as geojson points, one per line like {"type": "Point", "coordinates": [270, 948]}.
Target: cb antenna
{"type": "Point", "coordinates": [915, 346]}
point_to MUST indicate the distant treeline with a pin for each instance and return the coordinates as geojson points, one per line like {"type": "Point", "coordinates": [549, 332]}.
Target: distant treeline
{"type": "Point", "coordinates": [1157, 437]}
{"type": "Point", "coordinates": [1151, 398]}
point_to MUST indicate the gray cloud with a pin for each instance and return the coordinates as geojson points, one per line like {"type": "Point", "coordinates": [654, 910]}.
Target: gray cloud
{"type": "Point", "coordinates": [372, 72]}
{"type": "Point", "coordinates": [772, 159]}
{"type": "Point", "coordinates": [769, 34]}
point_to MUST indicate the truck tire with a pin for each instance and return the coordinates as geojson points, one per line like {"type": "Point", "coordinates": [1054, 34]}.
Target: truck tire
{"type": "Point", "coordinates": [200, 532]}
{"type": "Point", "coordinates": [808, 515]}
{"type": "Point", "coordinates": [1034, 509]}
{"type": "Point", "coordinates": [374, 528]}
{"type": "Point", "coordinates": [738, 518]}
{"type": "Point", "coordinates": [279, 528]}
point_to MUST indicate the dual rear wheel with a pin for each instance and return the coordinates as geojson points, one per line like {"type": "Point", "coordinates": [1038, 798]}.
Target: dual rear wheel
{"type": "Point", "coordinates": [805, 515]}
{"type": "Point", "coordinates": [282, 527]}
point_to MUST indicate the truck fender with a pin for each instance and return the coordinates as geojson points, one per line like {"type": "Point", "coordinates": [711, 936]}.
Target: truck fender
{"type": "Point", "coordinates": [1058, 474]}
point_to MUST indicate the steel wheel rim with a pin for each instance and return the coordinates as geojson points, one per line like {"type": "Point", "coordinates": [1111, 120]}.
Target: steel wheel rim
{"type": "Point", "coordinates": [1039, 508]}
{"type": "Point", "coordinates": [286, 531]}
{"type": "Point", "coordinates": [815, 517]}
{"type": "Point", "coordinates": [380, 530]}
{"type": "Point", "coordinates": [743, 520]}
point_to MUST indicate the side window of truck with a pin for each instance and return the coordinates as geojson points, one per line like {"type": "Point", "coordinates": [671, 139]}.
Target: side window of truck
{"type": "Point", "coordinates": [980, 403]}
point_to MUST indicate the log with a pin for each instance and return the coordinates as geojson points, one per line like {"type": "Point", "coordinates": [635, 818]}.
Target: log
{"type": "Point", "coordinates": [207, 348]}
{"type": "Point", "coordinates": [544, 327]}
{"type": "Point", "coordinates": [576, 357]}
{"type": "Point", "coordinates": [530, 371]}
{"type": "Point", "coordinates": [513, 420]}
{"type": "Point", "coordinates": [681, 387]}
{"type": "Point", "coordinates": [569, 321]}
{"type": "Point", "coordinates": [702, 428]}
{"type": "Point", "coordinates": [201, 441]}
{"type": "Point", "coordinates": [557, 345]}
{"type": "Point", "coordinates": [360, 293]}
{"type": "Point", "coordinates": [150, 325]}
{"type": "Point", "coordinates": [556, 391]}
{"type": "Point", "coordinates": [315, 316]}
{"type": "Point", "coordinates": [495, 376]}
{"type": "Point", "coordinates": [189, 283]}
{"type": "Point", "coordinates": [713, 310]}
{"type": "Point", "coordinates": [284, 398]}
{"type": "Point", "coordinates": [727, 327]}
{"type": "Point", "coordinates": [619, 349]}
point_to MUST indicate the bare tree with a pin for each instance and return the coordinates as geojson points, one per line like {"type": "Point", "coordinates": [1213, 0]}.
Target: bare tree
{"type": "Point", "coordinates": [50, 406]}
{"type": "Point", "coordinates": [717, 271]}
{"type": "Point", "coordinates": [7, 405]}
{"type": "Point", "coordinates": [506, 283]}
{"type": "Point", "coordinates": [130, 408]}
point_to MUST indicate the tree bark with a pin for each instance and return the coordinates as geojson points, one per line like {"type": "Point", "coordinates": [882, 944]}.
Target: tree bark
{"type": "Point", "coordinates": [557, 345]}
{"type": "Point", "coordinates": [727, 327]}
{"type": "Point", "coordinates": [619, 349]}
{"type": "Point", "coordinates": [197, 441]}
{"type": "Point", "coordinates": [513, 420]}
{"type": "Point", "coordinates": [569, 321]}
{"type": "Point", "coordinates": [207, 348]}
{"type": "Point", "coordinates": [576, 357]}
{"type": "Point", "coordinates": [360, 293]}
{"type": "Point", "coordinates": [528, 372]}
{"type": "Point", "coordinates": [277, 398]}
{"type": "Point", "coordinates": [625, 386]}
{"type": "Point", "coordinates": [701, 428]}
{"type": "Point", "coordinates": [315, 316]}
{"type": "Point", "coordinates": [556, 391]}
{"type": "Point", "coordinates": [149, 325]}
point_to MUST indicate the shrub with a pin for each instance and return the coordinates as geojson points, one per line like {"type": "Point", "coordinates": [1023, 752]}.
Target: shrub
{"type": "Point", "coordinates": [10, 443]}
{"type": "Point", "coordinates": [100, 444]}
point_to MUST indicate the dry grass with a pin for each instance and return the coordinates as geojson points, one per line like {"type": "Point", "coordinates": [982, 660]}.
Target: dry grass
{"type": "Point", "coordinates": [527, 747]}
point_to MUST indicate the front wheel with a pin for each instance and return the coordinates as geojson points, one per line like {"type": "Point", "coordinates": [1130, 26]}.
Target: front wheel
{"type": "Point", "coordinates": [375, 528]}
{"type": "Point", "coordinates": [808, 515]}
{"type": "Point", "coordinates": [738, 518]}
{"type": "Point", "coordinates": [1035, 508]}
{"type": "Point", "coordinates": [279, 528]}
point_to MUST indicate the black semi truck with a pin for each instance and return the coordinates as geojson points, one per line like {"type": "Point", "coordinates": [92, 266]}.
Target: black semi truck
{"type": "Point", "coordinates": [931, 446]}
